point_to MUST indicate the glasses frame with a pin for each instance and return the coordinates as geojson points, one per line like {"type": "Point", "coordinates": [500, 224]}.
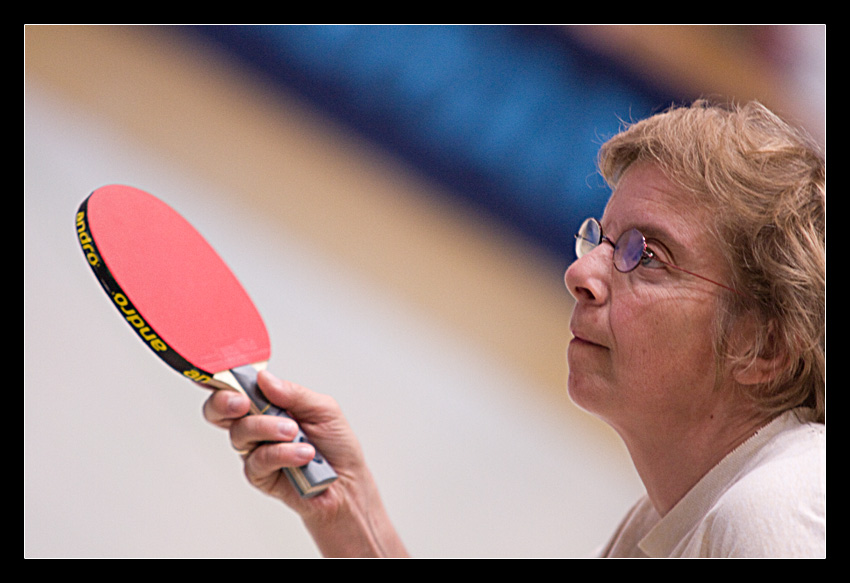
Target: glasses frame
{"type": "Point", "coordinates": [646, 253]}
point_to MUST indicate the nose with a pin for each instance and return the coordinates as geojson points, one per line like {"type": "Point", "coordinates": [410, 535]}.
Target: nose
{"type": "Point", "coordinates": [587, 279]}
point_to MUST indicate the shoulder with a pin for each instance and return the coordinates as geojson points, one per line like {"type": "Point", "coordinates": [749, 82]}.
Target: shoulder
{"type": "Point", "coordinates": [777, 505]}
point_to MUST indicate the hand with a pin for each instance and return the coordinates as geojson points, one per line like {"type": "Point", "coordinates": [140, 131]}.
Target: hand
{"type": "Point", "coordinates": [265, 441]}
{"type": "Point", "coordinates": [347, 519]}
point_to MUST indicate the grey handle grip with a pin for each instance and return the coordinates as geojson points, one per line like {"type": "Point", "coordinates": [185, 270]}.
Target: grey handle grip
{"type": "Point", "coordinates": [310, 479]}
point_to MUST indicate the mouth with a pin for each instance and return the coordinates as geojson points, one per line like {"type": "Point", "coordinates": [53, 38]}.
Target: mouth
{"type": "Point", "coordinates": [579, 339]}
{"type": "Point", "coordinates": [576, 341]}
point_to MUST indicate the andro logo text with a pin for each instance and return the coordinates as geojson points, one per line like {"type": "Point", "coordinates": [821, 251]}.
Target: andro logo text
{"type": "Point", "coordinates": [135, 320]}
{"type": "Point", "coordinates": [86, 241]}
{"type": "Point", "coordinates": [196, 375]}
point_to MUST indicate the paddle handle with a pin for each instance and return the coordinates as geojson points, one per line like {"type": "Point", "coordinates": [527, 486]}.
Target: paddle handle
{"type": "Point", "coordinates": [310, 479]}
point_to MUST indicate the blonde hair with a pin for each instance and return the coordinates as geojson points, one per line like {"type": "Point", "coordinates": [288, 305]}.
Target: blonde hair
{"type": "Point", "coordinates": [764, 183]}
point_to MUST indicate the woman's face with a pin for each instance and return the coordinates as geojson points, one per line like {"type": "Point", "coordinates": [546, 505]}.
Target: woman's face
{"type": "Point", "coordinates": [643, 352]}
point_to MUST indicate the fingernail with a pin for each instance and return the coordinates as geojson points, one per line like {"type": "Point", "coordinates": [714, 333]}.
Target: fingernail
{"type": "Point", "coordinates": [287, 427]}
{"type": "Point", "coordinates": [305, 451]}
{"type": "Point", "coordinates": [234, 402]}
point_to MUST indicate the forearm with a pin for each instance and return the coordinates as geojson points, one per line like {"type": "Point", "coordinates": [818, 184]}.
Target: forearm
{"type": "Point", "coordinates": [349, 518]}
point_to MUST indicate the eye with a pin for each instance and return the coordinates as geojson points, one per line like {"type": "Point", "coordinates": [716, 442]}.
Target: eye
{"type": "Point", "coordinates": [651, 260]}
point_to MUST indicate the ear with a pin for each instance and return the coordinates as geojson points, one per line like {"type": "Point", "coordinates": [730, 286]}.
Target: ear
{"type": "Point", "coordinates": [764, 356]}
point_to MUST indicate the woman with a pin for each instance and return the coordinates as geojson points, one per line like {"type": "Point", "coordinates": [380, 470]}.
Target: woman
{"type": "Point", "coordinates": [699, 336]}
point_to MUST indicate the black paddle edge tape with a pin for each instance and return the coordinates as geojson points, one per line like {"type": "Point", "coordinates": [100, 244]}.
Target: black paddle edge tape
{"type": "Point", "coordinates": [125, 307]}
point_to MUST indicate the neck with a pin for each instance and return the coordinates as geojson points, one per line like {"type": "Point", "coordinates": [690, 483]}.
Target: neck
{"type": "Point", "coordinates": [671, 460]}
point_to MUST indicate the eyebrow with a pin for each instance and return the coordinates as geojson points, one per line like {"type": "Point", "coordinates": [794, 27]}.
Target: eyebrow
{"type": "Point", "coordinates": [648, 231]}
{"type": "Point", "coordinates": [659, 233]}
{"type": "Point", "coordinates": [655, 232]}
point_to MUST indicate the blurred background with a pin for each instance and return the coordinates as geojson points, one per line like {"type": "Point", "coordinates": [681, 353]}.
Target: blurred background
{"type": "Point", "coordinates": [400, 202]}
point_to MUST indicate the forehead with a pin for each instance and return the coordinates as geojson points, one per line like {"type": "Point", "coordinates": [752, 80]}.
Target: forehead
{"type": "Point", "coordinates": [645, 199]}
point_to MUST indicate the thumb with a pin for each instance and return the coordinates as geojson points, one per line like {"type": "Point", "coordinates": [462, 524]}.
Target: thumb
{"type": "Point", "coordinates": [301, 403]}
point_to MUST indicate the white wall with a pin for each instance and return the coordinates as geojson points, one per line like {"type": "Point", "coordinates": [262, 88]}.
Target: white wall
{"type": "Point", "coordinates": [476, 453]}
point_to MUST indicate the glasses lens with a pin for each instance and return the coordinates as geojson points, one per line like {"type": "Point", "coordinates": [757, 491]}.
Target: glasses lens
{"type": "Point", "coordinates": [588, 237]}
{"type": "Point", "coordinates": [629, 250]}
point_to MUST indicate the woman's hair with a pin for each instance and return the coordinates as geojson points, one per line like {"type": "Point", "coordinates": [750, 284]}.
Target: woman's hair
{"type": "Point", "coordinates": [764, 184]}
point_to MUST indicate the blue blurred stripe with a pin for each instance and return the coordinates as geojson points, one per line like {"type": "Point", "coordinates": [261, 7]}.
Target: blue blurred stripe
{"type": "Point", "coordinates": [507, 117]}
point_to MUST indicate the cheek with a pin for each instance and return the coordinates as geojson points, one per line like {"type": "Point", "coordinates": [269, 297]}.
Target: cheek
{"type": "Point", "coordinates": [662, 341]}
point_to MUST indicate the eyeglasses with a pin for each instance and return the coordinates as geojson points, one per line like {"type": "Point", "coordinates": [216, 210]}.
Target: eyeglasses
{"type": "Point", "coordinates": [630, 250]}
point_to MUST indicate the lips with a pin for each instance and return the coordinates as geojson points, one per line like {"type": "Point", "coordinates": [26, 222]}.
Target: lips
{"type": "Point", "coordinates": [583, 336]}
{"type": "Point", "coordinates": [578, 340]}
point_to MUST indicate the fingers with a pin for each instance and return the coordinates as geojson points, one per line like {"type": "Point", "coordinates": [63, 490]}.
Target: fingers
{"type": "Point", "coordinates": [224, 407]}
{"type": "Point", "coordinates": [270, 443]}
{"type": "Point", "coordinates": [267, 446]}
{"type": "Point", "coordinates": [229, 410]}
{"type": "Point", "coordinates": [263, 465]}
{"type": "Point", "coordinates": [303, 404]}
{"type": "Point", "coordinates": [255, 430]}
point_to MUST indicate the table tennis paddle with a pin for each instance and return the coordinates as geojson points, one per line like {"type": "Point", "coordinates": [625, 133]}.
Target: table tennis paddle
{"type": "Point", "coordinates": [182, 300]}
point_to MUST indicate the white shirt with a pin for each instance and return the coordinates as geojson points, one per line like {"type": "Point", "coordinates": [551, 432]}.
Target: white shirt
{"type": "Point", "coordinates": [767, 498]}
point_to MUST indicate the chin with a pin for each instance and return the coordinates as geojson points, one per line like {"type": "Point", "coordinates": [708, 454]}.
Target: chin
{"type": "Point", "coordinates": [583, 393]}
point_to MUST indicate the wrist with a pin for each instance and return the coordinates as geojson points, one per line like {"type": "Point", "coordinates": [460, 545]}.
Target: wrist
{"type": "Point", "coordinates": [358, 527]}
